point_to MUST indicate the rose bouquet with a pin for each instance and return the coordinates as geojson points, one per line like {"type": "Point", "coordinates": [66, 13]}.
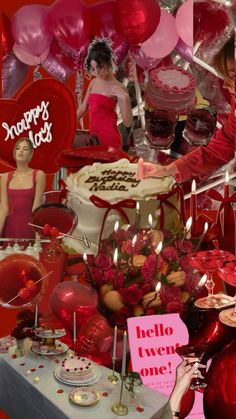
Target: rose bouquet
{"type": "Point", "coordinates": [143, 280]}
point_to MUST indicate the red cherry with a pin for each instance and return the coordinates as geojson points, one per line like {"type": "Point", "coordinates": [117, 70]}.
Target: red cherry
{"type": "Point", "coordinates": [46, 229]}
{"type": "Point", "coordinates": [24, 293]}
{"type": "Point", "coordinates": [54, 232]}
{"type": "Point", "coordinates": [30, 284]}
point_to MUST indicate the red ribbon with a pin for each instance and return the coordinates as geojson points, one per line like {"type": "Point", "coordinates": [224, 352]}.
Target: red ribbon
{"type": "Point", "coordinates": [101, 203]}
{"type": "Point", "coordinates": [164, 200]}
{"type": "Point", "coordinates": [228, 232]}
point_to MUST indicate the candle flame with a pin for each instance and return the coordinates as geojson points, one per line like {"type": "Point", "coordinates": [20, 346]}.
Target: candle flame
{"type": "Point", "coordinates": [137, 206]}
{"type": "Point", "coordinates": [150, 220]}
{"type": "Point", "coordinates": [227, 176]}
{"type": "Point", "coordinates": [193, 187]}
{"type": "Point", "coordinates": [189, 224]}
{"type": "Point", "coordinates": [85, 259]}
{"type": "Point", "coordinates": [158, 286]}
{"type": "Point", "coordinates": [115, 257]}
{"type": "Point", "coordinates": [116, 226]}
{"type": "Point", "coordinates": [159, 248]}
{"type": "Point", "coordinates": [134, 240]}
{"type": "Point", "coordinates": [206, 226]}
{"type": "Point", "coordinates": [202, 280]}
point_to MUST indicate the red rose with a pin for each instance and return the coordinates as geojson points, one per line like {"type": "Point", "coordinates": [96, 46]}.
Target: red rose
{"type": "Point", "coordinates": [116, 278]}
{"type": "Point", "coordinates": [127, 247]}
{"type": "Point", "coordinates": [169, 253]}
{"type": "Point", "coordinates": [121, 316]}
{"type": "Point", "coordinates": [185, 247]}
{"type": "Point", "coordinates": [131, 295]}
{"type": "Point", "coordinates": [103, 261]}
{"type": "Point", "coordinates": [149, 266]}
{"type": "Point", "coordinates": [97, 276]}
{"type": "Point", "coordinates": [169, 293]}
{"type": "Point", "coordinates": [174, 307]}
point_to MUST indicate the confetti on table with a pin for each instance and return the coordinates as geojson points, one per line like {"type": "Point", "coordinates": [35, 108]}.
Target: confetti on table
{"type": "Point", "coordinates": [139, 409]}
{"type": "Point", "coordinates": [105, 394]}
{"type": "Point", "coordinates": [60, 391]}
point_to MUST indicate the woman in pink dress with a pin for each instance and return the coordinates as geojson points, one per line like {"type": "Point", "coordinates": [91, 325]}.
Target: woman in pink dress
{"type": "Point", "coordinates": [103, 94]}
{"type": "Point", "coordinates": [21, 193]}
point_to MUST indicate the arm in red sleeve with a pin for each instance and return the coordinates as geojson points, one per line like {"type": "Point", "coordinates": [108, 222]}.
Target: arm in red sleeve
{"type": "Point", "coordinates": [204, 160]}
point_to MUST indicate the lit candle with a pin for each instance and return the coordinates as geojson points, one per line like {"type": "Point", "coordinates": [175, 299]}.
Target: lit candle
{"type": "Point", "coordinates": [132, 248]}
{"type": "Point", "coordinates": [150, 221]}
{"type": "Point", "coordinates": [193, 204]}
{"type": "Point", "coordinates": [202, 281]}
{"type": "Point", "coordinates": [157, 251]}
{"type": "Point", "coordinates": [115, 258]}
{"type": "Point", "coordinates": [226, 185]}
{"type": "Point", "coordinates": [123, 366]}
{"type": "Point", "coordinates": [36, 316]}
{"type": "Point", "coordinates": [205, 229]}
{"type": "Point", "coordinates": [114, 343]}
{"type": "Point", "coordinates": [74, 326]}
{"type": "Point", "coordinates": [137, 216]}
{"type": "Point", "coordinates": [85, 259]}
{"type": "Point", "coordinates": [116, 226]}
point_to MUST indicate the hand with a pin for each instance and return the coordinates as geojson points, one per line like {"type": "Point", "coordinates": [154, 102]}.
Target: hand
{"type": "Point", "coordinates": [184, 374]}
{"type": "Point", "coordinates": [147, 170]}
{"type": "Point", "coordinates": [119, 92]}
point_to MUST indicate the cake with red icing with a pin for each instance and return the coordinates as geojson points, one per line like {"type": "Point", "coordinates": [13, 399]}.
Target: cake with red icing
{"type": "Point", "coordinates": [76, 368]}
{"type": "Point", "coordinates": [170, 88]}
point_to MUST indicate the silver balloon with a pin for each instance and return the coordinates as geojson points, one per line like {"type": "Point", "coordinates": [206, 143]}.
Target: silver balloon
{"type": "Point", "coordinates": [170, 5]}
{"type": "Point", "coordinates": [14, 73]}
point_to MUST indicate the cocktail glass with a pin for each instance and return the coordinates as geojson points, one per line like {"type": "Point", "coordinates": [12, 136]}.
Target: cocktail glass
{"type": "Point", "coordinates": [206, 262]}
{"type": "Point", "coordinates": [227, 271]}
{"type": "Point", "coordinates": [193, 354]}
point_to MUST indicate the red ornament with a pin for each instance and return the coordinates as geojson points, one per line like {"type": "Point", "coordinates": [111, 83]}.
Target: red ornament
{"type": "Point", "coordinates": [7, 38]}
{"type": "Point", "coordinates": [219, 395]}
{"type": "Point", "coordinates": [137, 19]}
{"type": "Point", "coordinates": [51, 132]}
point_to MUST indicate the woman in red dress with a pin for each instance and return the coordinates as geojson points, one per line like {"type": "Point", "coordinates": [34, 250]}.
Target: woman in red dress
{"type": "Point", "coordinates": [103, 94]}
{"type": "Point", "coordinates": [21, 193]}
{"type": "Point", "coordinates": [221, 148]}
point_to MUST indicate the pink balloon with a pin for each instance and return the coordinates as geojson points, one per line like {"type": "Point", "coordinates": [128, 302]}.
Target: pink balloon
{"type": "Point", "coordinates": [71, 296]}
{"type": "Point", "coordinates": [14, 73]}
{"type": "Point", "coordinates": [71, 23]}
{"type": "Point", "coordinates": [147, 63]}
{"type": "Point", "coordinates": [184, 22]}
{"type": "Point", "coordinates": [57, 63]}
{"type": "Point", "coordinates": [103, 26]}
{"type": "Point", "coordinates": [184, 50]}
{"type": "Point", "coordinates": [31, 29]}
{"type": "Point", "coordinates": [164, 39]}
{"type": "Point", "coordinates": [27, 58]}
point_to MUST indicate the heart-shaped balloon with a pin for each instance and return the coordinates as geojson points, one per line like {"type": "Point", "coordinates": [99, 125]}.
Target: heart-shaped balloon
{"type": "Point", "coordinates": [95, 341]}
{"type": "Point", "coordinates": [45, 111]}
{"type": "Point", "coordinates": [71, 296]}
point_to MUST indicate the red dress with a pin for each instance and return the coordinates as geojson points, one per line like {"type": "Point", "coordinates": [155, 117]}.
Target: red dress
{"type": "Point", "coordinates": [103, 119]}
{"type": "Point", "coordinates": [20, 210]}
{"type": "Point", "coordinates": [218, 152]}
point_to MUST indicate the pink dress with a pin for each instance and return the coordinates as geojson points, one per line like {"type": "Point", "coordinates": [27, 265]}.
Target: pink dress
{"type": "Point", "coordinates": [103, 119]}
{"type": "Point", "coordinates": [20, 210]}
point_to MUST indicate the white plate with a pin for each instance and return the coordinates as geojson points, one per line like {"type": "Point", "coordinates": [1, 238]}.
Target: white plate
{"type": "Point", "coordinates": [218, 301]}
{"type": "Point", "coordinates": [64, 348]}
{"type": "Point", "coordinates": [84, 396]}
{"type": "Point", "coordinates": [225, 317]}
{"type": "Point", "coordinates": [89, 382]}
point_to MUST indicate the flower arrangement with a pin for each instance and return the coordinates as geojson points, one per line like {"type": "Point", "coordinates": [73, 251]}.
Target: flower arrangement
{"type": "Point", "coordinates": [24, 325]}
{"type": "Point", "coordinates": [143, 280]}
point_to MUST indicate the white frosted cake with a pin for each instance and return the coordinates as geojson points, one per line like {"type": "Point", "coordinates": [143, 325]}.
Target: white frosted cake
{"type": "Point", "coordinates": [112, 182]}
{"type": "Point", "coordinates": [76, 369]}
{"type": "Point", "coordinates": [170, 88]}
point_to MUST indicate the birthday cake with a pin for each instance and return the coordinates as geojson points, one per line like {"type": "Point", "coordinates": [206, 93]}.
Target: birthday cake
{"type": "Point", "coordinates": [77, 369]}
{"type": "Point", "coordinates": [170, 88]}
{"type": "Point", "coordinates": [95, 188]}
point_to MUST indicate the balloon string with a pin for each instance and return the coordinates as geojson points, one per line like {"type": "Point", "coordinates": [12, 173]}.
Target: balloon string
{"type": "Point", "coordinates": [43, 277]}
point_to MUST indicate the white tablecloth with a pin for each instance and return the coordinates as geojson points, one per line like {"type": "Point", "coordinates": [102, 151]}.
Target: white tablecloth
{"type": "Point", "coordinates": [21, 398]}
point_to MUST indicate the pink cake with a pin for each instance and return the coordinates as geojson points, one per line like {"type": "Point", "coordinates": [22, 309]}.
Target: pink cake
{"type": "Point", "coordinates": [76, 369]}
{"type": "Point", "coordinates": [170, 88]}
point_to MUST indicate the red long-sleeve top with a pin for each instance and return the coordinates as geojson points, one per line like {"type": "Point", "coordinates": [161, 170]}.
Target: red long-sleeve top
{"type": "Point", "coordinates": [204, 160]}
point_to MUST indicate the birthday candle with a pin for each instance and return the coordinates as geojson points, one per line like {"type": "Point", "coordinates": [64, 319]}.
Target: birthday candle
{"type": "Point", "coordinates": [114, 343]}
{"type": "Point", "coordinates": [36, 316]}
{"type": "Point", "coordinates": [193, 204]}
{"type": "Point", "coordinates": [123, 366]}
{"type": "Point", "coordinates": [137, 216]}
{"type": "Point", "coordinates": [150, 221]}
{"type": "Point", "coordinates": [132, 248]}
{"type": "Point", "coordinates": [74, 326]}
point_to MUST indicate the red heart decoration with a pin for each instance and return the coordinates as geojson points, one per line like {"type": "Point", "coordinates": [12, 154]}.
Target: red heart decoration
{"type": "Point", "coordinates": [51, 100]}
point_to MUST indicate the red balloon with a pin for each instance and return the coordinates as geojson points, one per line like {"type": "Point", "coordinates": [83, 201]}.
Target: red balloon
{"type": "Point", "coordinates": [210, 20]}
{"type": "Point", "coordinates": [103, 18]}
{"type": "Point", "coordinates": [49, 141]}
{"type": "Point", "coordinates": [71, 23]}
{"type": "Point", "coordinates": [7, 38]}
{"type": "Point", "coordinates": [219, 395]}
{"type": "Point", "coordinates": [95, 341]}
{"type": "Point", "coordinates": [69, 297]}
{"type": "Point", "coordinates": [57, 63]}
{"type": "Point", "coordinates": [15, 273]}
{"type": "Point", "coordinates": [14, 73]}
{"type": "Point", "coordinates": [137, 19]}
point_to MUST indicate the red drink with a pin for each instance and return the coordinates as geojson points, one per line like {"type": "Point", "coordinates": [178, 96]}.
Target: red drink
{"type": "Point", "coordinates": [160, 128]}
{"type": "Point", "coordinates": [199, 126]}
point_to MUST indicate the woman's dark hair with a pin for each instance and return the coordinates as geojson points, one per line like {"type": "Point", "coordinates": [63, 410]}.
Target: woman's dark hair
{"type": "Point", "coordinates": [225, 54]}
{"type": "Point", "coordinates": [101, 52]}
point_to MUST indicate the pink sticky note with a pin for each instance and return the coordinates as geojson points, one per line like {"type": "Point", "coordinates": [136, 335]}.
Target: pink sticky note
{"type": "Point", "coordinates": [140, 169]}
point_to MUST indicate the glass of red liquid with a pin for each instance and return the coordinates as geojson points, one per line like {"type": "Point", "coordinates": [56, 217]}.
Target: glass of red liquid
{"type": "Point", "coordinates": [200, 125]}
{"type": "Point", "coordinates": [193, 354]}
{"type": "Point", "coordinates": [160, 127]}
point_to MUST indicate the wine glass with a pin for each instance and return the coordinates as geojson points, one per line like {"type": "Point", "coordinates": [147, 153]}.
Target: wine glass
{"type": "Point", "coordinates": [227, 271]}
{"type": "Point", "coordinates": [206, 262]}
{"type": "Point", "coordinates": [193, 354]}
